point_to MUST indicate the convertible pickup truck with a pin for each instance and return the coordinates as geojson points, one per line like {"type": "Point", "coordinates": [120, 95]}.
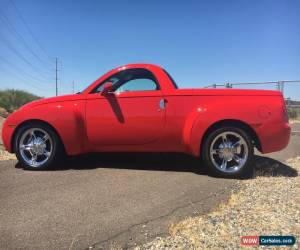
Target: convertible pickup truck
{"type": "Point", "coordinates": [139, 108]}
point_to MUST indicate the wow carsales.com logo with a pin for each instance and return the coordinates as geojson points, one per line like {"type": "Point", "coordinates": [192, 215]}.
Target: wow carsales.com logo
{"type": "Point", "coordinates": [268, 240]}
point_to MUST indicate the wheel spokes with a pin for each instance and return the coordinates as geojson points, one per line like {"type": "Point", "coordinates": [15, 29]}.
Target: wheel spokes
{"type": "Point", "coordinates": [32, 135]}
{"type": "Point", "coordinates": [46, 153]}
{"type": "Point", "coordinates": [224, 164]}
{"type": "Point", "coordinates": [216, 151]}
{"type": "Point", "coordinates": [45, 138]}
{"type": "Point", "coordinates": [237, 158]}
{"type": "Point", "coordinates": [229, 151]}
{"type": "Point", "coordinates": [34, 159]}
{"type": "Point", "coordinates": [25, 147]}
{"type": "Point", "coordinates": [224, 139]}
{"type": "Point", "coordinates": [35, 146]}
{"type": "Point", "coordinates": [237, 144]}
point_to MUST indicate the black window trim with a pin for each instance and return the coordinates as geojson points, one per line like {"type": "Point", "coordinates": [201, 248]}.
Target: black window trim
{"type": "Point", "coordinates": [171, 79]}
{"type": "Point", "coordinates": [94, 90]}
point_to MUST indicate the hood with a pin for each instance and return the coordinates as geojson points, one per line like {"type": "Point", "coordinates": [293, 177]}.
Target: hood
{"type": "Point", "coordinates": [62, 98]}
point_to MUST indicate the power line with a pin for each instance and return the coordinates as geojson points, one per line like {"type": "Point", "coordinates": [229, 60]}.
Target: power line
{"type": "Point", "coordinates": [22, 81]}
{"type": "Point", "coordinates": [33, 78]}
{"type": "Point", "coordinates": [5, 20]}
{"type": "Point", "coordinates": [18, 54]}
{"type": "Point", "coordinates": [14, 31]}
{"type": "Point", "coordinates": [30, 31]}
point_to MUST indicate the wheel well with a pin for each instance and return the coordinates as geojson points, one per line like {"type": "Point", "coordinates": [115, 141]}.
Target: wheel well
{"type": "Point", "coordinates": [234, 123]}
{"type": "Point", "coordinates": [34, 121]}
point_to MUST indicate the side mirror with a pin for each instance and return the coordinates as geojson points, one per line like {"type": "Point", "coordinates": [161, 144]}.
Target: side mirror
{"type": "Point", "coordinates": [107, 89]}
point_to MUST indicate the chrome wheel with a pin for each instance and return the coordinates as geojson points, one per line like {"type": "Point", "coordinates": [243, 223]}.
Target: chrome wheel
{"type": "Point", "coordinates": [229, 152]}
{"type": "Point", "coordinates": [35, 147]}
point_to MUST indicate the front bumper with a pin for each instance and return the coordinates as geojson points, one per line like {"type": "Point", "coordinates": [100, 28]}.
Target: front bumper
{"type": "Point", "coordinates": [7, 133]}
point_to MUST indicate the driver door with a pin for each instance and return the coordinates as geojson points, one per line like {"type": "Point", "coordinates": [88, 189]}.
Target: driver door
{"type": "Point", "coordinates": [131, 115]}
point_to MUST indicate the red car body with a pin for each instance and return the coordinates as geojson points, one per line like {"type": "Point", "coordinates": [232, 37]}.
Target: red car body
{"type": "Point", "coordinates": [163, 120]}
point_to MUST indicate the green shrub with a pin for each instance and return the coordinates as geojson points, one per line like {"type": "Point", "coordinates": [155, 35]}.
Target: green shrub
{"type": "Point", "coordinates": [12, 99]}
{"type": "Point", "coordinates": [293, 113]}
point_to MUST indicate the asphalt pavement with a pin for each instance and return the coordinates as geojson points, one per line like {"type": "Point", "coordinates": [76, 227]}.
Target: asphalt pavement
{"type": "Point", "coordinates": [106, 199]}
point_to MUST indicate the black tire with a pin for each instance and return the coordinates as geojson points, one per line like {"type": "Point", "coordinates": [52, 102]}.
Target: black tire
{"type": "Point", "coordinates": [57, 147]}
{"type": "Point", "coordinates": [243, 172]}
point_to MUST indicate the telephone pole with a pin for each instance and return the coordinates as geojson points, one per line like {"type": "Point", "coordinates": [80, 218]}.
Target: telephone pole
{"type": "Point", "coordinates": [56, 76]}
{"type": "Point", "coordinates": [73, 90]}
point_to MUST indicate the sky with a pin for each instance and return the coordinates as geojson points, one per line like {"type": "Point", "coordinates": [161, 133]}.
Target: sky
{"type": "Point", "coordinates": [197, 42]}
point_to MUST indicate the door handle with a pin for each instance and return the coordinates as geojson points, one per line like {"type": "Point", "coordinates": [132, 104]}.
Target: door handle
{"type": "Point", "coordinates": [162, 104]}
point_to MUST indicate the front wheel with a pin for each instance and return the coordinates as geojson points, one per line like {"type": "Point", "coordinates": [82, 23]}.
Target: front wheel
{"type": "Point", "coordinates": [37, 146]}
{"type": "Point", "coordinates": [228, 152]}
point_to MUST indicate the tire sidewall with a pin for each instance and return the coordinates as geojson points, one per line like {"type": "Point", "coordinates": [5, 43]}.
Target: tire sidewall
{"type": "Point", "coordinates": [55, 151]}
{"type": "Point", "coordinates": [243, 172]}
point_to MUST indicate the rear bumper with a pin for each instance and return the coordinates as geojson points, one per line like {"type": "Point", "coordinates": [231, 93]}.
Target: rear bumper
{"type": "Point", "coordinates": [274, 137]}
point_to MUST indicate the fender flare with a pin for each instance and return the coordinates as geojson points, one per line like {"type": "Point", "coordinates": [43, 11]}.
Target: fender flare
{"type": "Point", "coordinates": [71, 135]}
{"type": "Point", "coordinates": [198, 124]}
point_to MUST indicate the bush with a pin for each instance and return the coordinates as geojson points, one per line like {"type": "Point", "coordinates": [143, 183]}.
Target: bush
{"type": "Point", "coordinates": [3, 112]}
{"type": "Point", "coordinates": [293, 113]}
{"type": "Point", "coordinates": [12, 99]}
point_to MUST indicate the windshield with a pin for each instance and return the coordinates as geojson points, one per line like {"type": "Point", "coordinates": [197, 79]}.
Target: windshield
{"type": "Point", "coordinates": [80, 92]}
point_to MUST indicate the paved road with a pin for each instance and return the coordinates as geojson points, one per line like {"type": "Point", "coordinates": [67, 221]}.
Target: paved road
{"type": "Point", "coordinates": [91, 202]}
{"type": "Point", "coordinates": [106, 198]}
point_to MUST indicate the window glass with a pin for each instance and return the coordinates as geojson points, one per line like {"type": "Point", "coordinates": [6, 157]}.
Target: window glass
{"type": "Point", "coordinates": [112, 79]}
{"type": "Point", "coordinates": [137, 85]}
{"type": "Point", "coordinates": [130, 80]}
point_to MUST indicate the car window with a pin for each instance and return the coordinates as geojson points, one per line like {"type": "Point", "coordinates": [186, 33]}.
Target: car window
{"type": "Point", "coordinates": [113, 80]}
{"type": "Point", "coordinates": [137, 85]}
{"type": "Point", "coordinates": [130, 80]}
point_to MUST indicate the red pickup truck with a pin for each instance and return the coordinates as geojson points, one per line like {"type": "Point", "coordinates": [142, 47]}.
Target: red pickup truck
{"type": "Point", "coordinates": [139, 108]}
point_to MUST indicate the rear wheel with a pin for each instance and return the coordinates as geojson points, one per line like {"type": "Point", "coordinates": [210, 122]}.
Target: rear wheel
{"type": "Point", "coordinates": [37, 146]}
{"type": "Point", "coordinates": [228, 152]}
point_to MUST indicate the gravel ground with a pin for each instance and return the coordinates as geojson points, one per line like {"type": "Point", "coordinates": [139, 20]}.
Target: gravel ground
{"type": "Point", "coordinates": [294, 121]}
{"type": "Point", "coordinates": [269, 204]}
{"type": "Point", "coordinates": [4, 155]}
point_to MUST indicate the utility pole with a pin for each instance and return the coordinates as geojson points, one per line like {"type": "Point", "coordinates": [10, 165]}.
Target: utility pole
{"type": "Point", "coordinates": [280, 86]}
{"type": "Point", "coordinates": [73, 90]}
{"type": "Point", "coordinates": [56, 76]}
